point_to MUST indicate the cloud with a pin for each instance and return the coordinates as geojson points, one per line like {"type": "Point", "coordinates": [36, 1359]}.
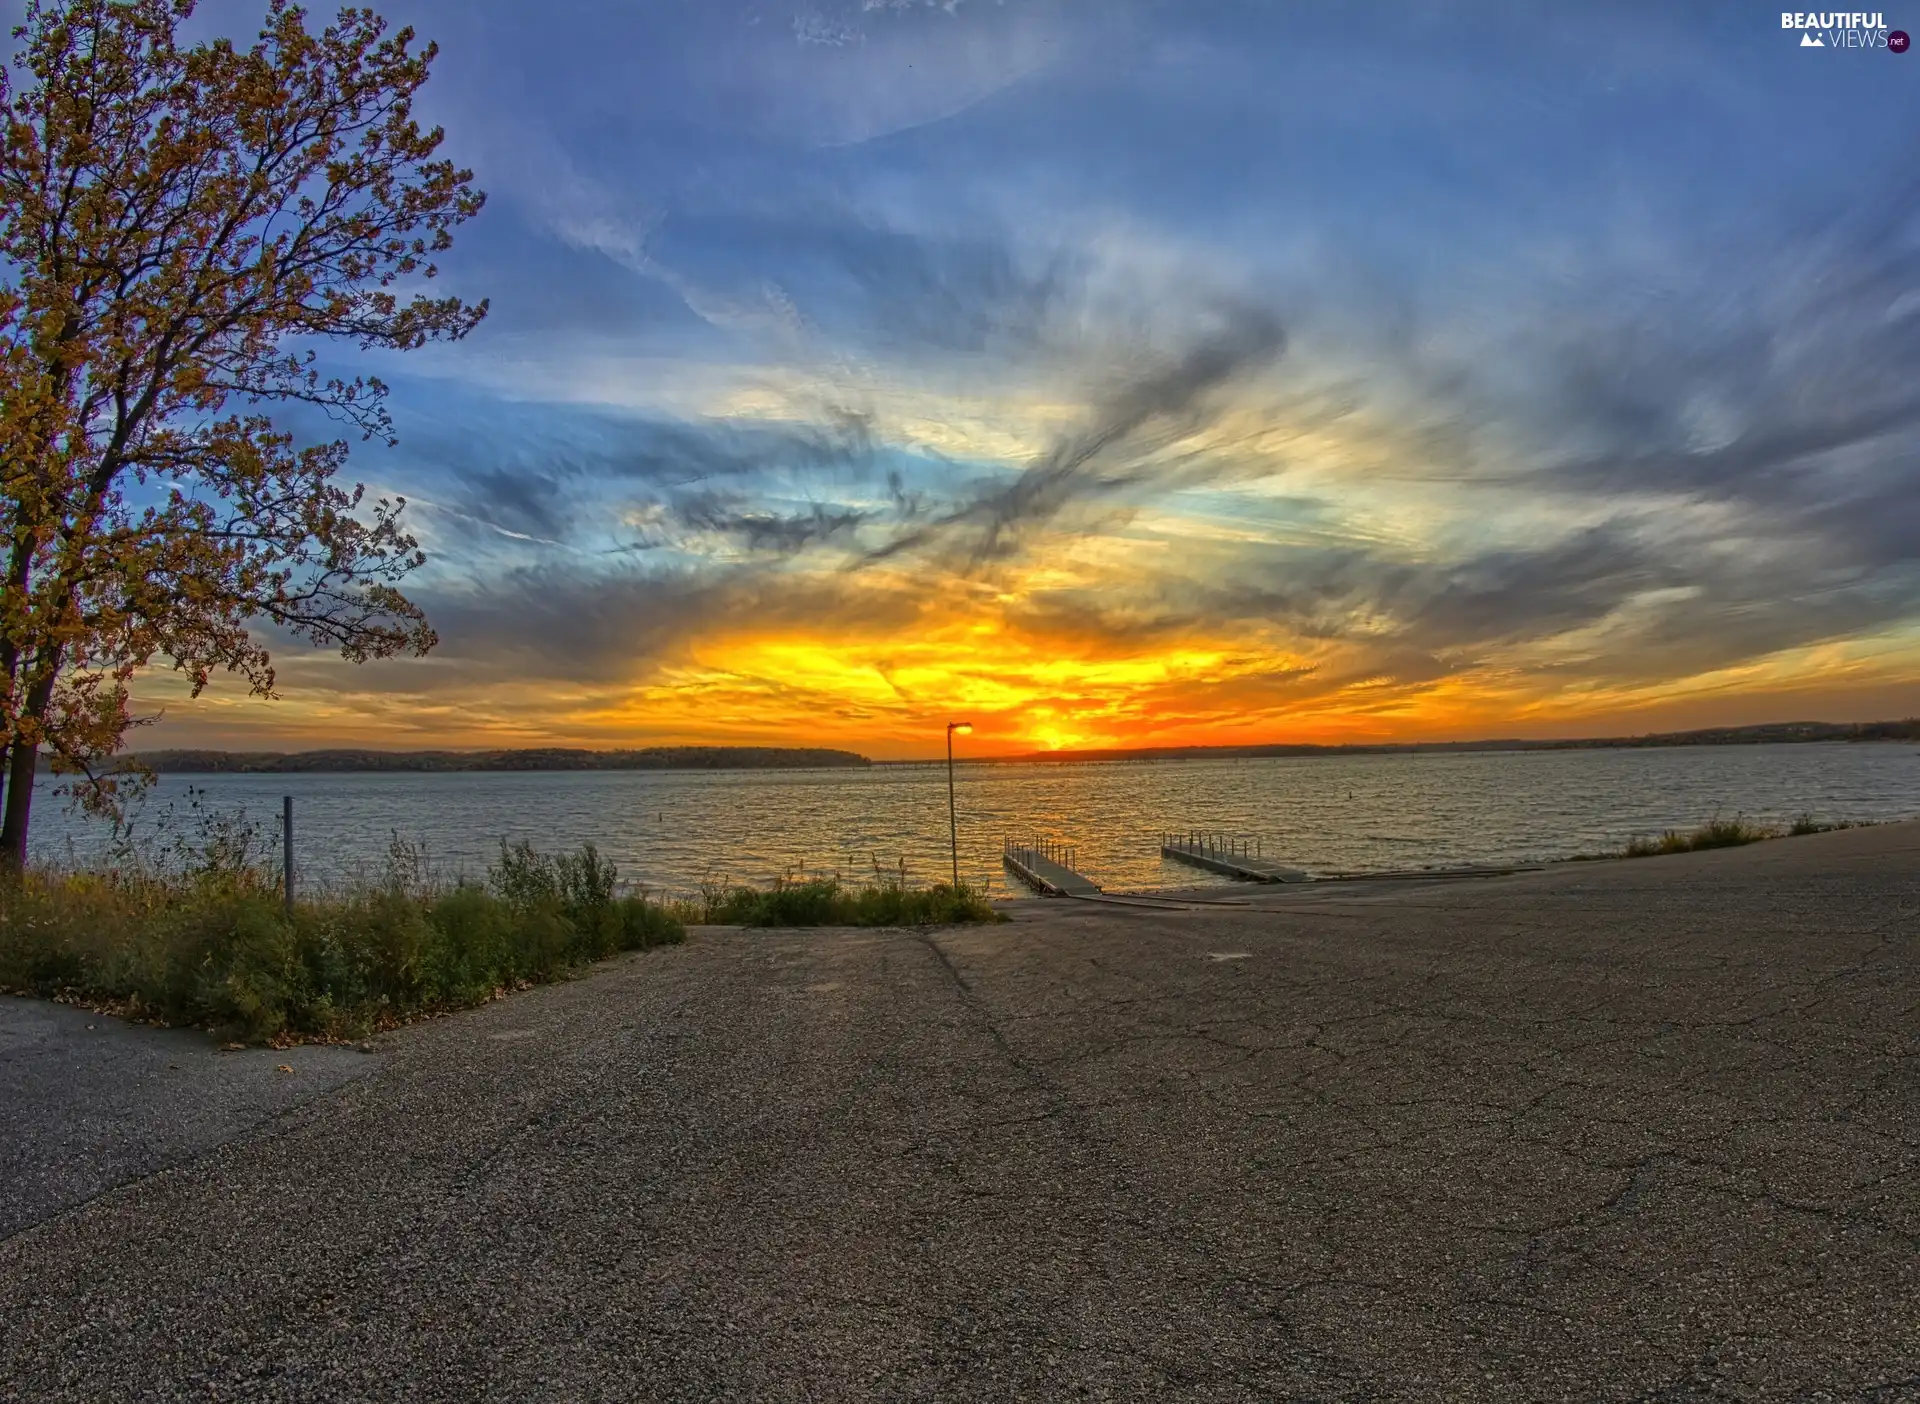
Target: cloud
{"type": "Point", "coordinates": [1106, 454]}
{"type": "Point", "coordinates": [566, 623]}
{"type": "Point", "coordinates": [518, 502]}
{"type": "Point", "coordinates": [865, 73]}
{"type": "Point", "coordinates": [763, 531]}
{"type": "Point", "coordinates": [572, 476]}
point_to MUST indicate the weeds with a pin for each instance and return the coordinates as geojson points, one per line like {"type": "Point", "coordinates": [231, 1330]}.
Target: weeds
{"type": "Point", "coordinates": [826, 901]}
{"type": "Point", "coordinates": [1807, 824]}
{"type": "Point", "coordinates": [1729, 833]}
{"type": "Point", "coordinates": [189, 927]}
{"type": "Point", "coordinates": [1715, 833]}
{"type": "Point", "coordinates": [206, 941]}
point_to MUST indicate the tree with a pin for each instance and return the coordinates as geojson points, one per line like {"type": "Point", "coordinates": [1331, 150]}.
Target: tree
{"type": "Point", "coordinates": [179, 228]}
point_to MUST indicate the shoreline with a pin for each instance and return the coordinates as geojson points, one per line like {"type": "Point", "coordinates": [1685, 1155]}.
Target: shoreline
{"type": "Point", "coordinates": [1456, 873]}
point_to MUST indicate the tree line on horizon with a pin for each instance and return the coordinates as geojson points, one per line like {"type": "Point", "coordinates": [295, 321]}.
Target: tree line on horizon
{"type": "Point", "coordinates": [1759, 734]}
{"type": "Point", "coordinates": [348, 759]}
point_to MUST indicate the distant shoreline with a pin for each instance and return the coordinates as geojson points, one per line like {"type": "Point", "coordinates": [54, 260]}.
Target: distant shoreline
{"type": "Point", "coordinates": [1767, 734]}
{"type": "Point", "coordinates": [346, 760]}
{"type": "Point", "coordinates": [354, 760]}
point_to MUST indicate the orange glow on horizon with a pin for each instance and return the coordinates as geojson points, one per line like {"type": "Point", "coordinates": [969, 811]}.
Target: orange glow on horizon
{"type": "Point", "coordinates": [1025, 690]}
{"type": "Point", "coordinates": [1059, 656]}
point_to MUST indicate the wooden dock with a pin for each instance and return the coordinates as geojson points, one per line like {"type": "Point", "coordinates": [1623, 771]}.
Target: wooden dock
{"type": "Point", "coordinates": [1235, 857]}
{"type": "Point", "coordinates": [1047, 868]}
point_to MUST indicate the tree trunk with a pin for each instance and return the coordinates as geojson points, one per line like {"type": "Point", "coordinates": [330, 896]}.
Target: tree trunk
{"type": "Point", "coordinates": [13, 829]}
{"type": "Point", "coordinates": [19, 577]}
{"type": "Point", "coordinates": [21, 764]}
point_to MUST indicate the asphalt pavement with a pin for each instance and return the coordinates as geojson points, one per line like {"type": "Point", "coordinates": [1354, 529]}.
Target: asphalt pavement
{"type": "Point", "coordinates": [88, 1102]}
{"type": "Point", "coordinates": [1645, 1130]}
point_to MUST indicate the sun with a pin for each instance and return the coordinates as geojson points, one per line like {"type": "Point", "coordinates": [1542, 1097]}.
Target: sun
{"type": "Point", "coordinates": [1053, 736]}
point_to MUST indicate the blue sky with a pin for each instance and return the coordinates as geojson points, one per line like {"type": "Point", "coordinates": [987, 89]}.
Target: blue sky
{"type": "Point", "coordinates": [1152, 372]}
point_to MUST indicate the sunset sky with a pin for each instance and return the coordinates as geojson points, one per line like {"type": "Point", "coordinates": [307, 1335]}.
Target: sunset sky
{"type": "Point", "coordinates": [1121, 373]}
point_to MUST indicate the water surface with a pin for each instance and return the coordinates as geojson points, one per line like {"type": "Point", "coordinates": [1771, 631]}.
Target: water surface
{"type": "Point", "coordinates": [672, 830]}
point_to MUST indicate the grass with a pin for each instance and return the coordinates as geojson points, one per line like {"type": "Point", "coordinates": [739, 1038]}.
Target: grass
{"type": "Point", "coordinates": [1807, 824]}
{"type": "Point", "coordinates": [829, 902]}
{"type": "Point", "coordinates": [1715, 833]}
{"type": "Point", "coordinates": [213, 946]}
{"type": "Point", "coordinates": [189, 928]}
{"type": "Point", "coordinates": [1728, 833]}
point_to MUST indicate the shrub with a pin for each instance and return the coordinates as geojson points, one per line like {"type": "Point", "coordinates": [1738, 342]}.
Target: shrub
{"type": "Point", "coordinates": [248, 983]}
{"type": "Point", "coordinates": [1730, 833]}
{"type": "Point", "coordinates": [196, 932]}
{"type": "Point", "coordinates": [1807, 824]}
{"type": "Point", "coordinates": [476, 935]}
{"type": "Point", "coordinates": [211, 944]}
{"type": "Point", "coordinates": [523, 878]}
{"type": "Point", "coordinates": [828, 902]}
{"type": "Point", "coordinates": [647, 924]}
{"type": "Point", "coordinates": [1715, 833]}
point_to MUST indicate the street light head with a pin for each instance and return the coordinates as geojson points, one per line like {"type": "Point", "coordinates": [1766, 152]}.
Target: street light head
{"type": "Point", "coordinates": [962, 727]}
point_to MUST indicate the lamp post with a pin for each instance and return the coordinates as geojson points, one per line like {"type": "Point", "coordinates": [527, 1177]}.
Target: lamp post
{"type": "Point", "coordinates": [953, 820]}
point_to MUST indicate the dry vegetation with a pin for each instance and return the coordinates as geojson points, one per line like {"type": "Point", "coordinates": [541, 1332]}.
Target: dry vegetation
{"type": "Point", "coordinates": [1727, 833]}
{"type": "Point", "coordinates": [189, 927]}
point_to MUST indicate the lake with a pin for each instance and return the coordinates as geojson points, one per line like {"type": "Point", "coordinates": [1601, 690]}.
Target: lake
{"type": "Point", "coordinates": [672, 830]}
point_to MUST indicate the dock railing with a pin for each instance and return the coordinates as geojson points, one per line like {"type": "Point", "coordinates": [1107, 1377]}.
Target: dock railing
{"type": "Point", "coordinates": [1214, 844]}
{"type": "Point", "coordinates": [1047, 866]}
{"type": "Point", "coordinates": [1060, 854]}
{"type": "Point", "coordinates": [1236, 855]}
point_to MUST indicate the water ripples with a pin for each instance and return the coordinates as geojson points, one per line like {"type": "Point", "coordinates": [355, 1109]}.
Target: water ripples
{"type": "Point", "coordinates": [1345, 813]}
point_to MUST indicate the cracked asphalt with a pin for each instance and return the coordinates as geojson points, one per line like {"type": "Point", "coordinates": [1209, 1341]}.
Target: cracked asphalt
{"type": "Point", "coordinates": [1628, 1131]}
{"type": "Point", "coordinates": [88, 1101]}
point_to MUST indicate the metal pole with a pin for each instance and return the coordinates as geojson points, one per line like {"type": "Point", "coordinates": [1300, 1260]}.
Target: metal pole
{"type": "Point", "coordinates": [286, 851]}
{"type": "Point", "coordinates": [953, 817]}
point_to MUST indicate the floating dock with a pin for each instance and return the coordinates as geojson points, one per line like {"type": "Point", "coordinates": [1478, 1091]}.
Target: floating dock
{"type": "Point", "coordinates": [1047, 868]}
{"type": "Point", "coordinates": [1224, 853]}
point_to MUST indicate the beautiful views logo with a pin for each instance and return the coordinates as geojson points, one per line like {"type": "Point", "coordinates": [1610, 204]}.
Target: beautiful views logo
{"type": "Point", "coordinates": [1855, 30]}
